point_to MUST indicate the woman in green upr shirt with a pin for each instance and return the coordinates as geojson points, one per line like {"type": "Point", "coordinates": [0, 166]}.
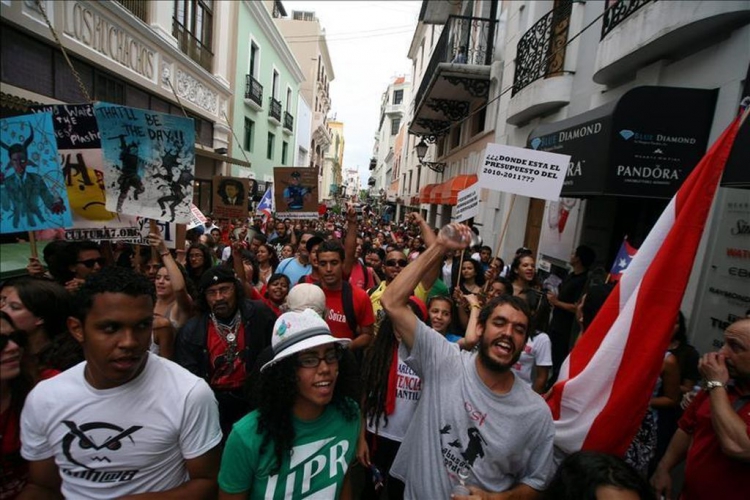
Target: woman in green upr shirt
{"type": "Point", "coordinates": [303, 436]}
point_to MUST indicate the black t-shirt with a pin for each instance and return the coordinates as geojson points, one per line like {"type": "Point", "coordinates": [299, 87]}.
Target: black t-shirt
{"type": "Point", "coordinates": [570, 292]}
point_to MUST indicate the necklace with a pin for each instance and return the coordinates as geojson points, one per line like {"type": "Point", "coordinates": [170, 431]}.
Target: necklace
{"type": "Point", "coordinates": [228, 333]}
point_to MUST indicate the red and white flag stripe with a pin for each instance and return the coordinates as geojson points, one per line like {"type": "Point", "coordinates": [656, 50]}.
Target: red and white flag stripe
{"type": "Point", "coordinates": [605, 384]}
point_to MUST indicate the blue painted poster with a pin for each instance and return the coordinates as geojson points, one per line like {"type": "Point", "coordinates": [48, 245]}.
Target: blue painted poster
{"type": "Point", "coordinates": [32, 190]}
{"type": "Point", "coordinates": [149, 162]}
{"type": "Point", "coordinates": [80, 153]}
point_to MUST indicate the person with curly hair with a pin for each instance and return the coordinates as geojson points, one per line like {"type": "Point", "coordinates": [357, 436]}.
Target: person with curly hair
{"type": "Point", "coordinates": [300, 440]}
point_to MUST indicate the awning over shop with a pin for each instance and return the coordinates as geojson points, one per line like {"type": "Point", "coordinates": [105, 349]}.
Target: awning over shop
{"type": "Point", "coordinates": [643, 144]}
{"type": "Point", "coordinates": [426, 192]}
{"type": "Point", "coordinates": [218, 157]}
{"type": "Point", "coordinates": [449, 189]}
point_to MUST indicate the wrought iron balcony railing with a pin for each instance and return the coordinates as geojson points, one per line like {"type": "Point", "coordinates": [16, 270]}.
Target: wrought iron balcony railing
{"type": "Point", "coordinates": [253, 90]}
{"type": "Point", "coordinates": [139, 8]}
{"type": "Point", "coordinates": [541, 50]}
{"type": "Point", "coordinates": [464, 40]}
{"type": "Point", "coordinates": [191, 46]}
{"type": "Point", "coordinates": [288, 121]}
{"type": "Point", "coordinates": [620, 11]}
{"type": "Point", "coordinates": [274, 110]}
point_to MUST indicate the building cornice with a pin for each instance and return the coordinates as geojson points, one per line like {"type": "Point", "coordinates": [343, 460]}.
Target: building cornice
{"type": "Point", "coordinates": [267, 26]}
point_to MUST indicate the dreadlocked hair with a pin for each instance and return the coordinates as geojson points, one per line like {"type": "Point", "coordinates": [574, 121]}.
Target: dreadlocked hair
{"type": "Point", "coordinates": [376, 368]}
{"type": "Point", "coordinates": [276, 393]}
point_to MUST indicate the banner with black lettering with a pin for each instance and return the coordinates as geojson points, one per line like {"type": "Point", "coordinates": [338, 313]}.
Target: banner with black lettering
{"type": "Point", "coordinates": [80, 155]}
{"type": "Point", "coordinates": [536, 174]}
{"type": "Point", "coordinates": [149, 162]}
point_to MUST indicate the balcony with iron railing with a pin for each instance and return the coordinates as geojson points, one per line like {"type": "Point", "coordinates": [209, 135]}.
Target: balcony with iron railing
{"type": "Point", "coordinates": [635, 33]}
{"type": "Point", "coordinates": [253, 92]}
{"type": "Point", "coordinates": [288, 122]}
{"type": "Point", "coordinates": [464, 40]}
{"type": "Point", "coordinates": [274, 111]}
{"type": "Point", "coordinates": [192, 46]}
{"type": "Point", "coordinates": [139, 8]}
{"type": "Point", "coordinates": [541, 82]}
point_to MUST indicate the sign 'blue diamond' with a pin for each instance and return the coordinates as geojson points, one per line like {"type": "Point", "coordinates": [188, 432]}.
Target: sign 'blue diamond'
{"type": "Point", "coordinates": [627, 134]}
{"type": "Point", "coordinates": [536, 142]}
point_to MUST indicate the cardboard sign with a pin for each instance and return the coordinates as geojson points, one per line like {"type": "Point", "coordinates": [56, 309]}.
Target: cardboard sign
{"type": "Point", "coordinates": [168, 231]}
{"type": "Point", "coordinates": [32, 189]}
{"type": "Point", "coordinates": [536, 174]}
{"type": "Point", "coordinates": [80, 154]}
{"type": "Point", "coordinates": [149, 162]}
{"type": "Point", "coordinates": [230, 197]}
{"type": "Point", "coordinates": [296, 192]}
{"type": "Point", "coordinates": [467, 203]}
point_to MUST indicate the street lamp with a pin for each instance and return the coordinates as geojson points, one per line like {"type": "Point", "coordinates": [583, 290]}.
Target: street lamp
{"type": "Point", "coordinates": [421, 149]}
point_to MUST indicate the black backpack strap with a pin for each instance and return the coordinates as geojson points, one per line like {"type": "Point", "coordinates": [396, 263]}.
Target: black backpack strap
{"type": "Point", "coordinates": [347, 301]}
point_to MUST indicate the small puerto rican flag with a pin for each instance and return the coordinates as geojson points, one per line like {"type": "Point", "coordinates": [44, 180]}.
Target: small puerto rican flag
{"type": "Point", "coordinates": [265, 207]}
{"type": "Point", "coordinates": [622, 261]}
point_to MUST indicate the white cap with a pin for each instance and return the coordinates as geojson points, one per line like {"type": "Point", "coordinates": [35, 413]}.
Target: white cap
{"type": "Point", "coordinates": [295, 332]}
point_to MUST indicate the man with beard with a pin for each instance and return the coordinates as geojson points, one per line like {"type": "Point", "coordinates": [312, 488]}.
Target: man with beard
{"type": "Point", "coordinates": [221, 344]}
{"type": "Point", "coordinates": [714, 432]}
{"type": "Point", "coordinates": [476, 422]}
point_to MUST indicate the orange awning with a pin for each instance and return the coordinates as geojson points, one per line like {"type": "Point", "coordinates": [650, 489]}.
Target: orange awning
{"type": "Point", "coordinates": [449, 189]}
{"type": "Point", "coordinates": [437, 194]}
{"type": "Point", "coordinates": [426, 192]}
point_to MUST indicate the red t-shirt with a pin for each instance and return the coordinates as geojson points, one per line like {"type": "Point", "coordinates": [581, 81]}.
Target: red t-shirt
{"type": "Point", "coordinates": [14, 470]}
{"type": "Point", "coordinates": [361, 277]}
{"type": "Point", "coordinates": [222, 377]}
{"type": "Point", "coordinates": [709, 473]}
{"type": "Point", "coordinates": [336, 318]}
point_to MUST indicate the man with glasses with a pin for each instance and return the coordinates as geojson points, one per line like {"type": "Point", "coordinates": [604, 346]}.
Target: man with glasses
{"type": "Point", "coordinates": [85, 258]}
{"type": "Point", "coordinates": [222, 343]}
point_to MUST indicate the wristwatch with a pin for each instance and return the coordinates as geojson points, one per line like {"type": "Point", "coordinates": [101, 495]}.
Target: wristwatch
{"type": "Point", "coordinates": [713, 384]}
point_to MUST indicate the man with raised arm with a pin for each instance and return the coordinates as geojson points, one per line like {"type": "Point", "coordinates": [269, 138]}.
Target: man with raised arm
{"type": "Point", "coordinates": [476, 424]}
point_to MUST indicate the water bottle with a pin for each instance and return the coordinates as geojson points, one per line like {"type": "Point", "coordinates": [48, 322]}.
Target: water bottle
{"type": "Point", "coordinates": [450, 233]}
{"type": "Point", "coordinates": [461, 489]}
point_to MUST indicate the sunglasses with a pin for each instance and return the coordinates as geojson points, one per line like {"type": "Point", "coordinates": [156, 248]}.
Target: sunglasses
{"type": "Point", "coordinates": [90, 263]}
{"type": "Point", "coordinates": [18, 337]}
{"type": "Point", "coordinates": [394, 262]}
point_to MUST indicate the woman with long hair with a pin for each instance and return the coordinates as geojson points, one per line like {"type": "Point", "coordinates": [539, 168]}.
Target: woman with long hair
{"type": "Point", "coordinates": [387, 409]}
{"type": "Point", "coordinates": [522, 274]}
{"type": "Point", "coordinates": [198, 262]}
{"type": "Point", "coordinates": [174, 305]}
{"type": "Point", "coordinates": [40, 308]}
{"type": "Point", "coordinates": [304, 407]}
{"type": "Point", "coordinates": [267, 262]}
{"type": "Point", "coordinates": [15, 384]}
{"type": "Point", "coordinates": [472, 277]}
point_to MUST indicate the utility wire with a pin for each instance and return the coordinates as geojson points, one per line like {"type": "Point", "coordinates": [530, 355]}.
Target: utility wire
{"type": "Point", "coordinates": [347, 33]}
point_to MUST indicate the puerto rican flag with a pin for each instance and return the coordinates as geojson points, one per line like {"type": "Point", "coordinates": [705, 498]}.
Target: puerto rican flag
{"type": "Point", "coordinates": [265, 207]}
{"type": "Point", "coordinates": [606, 382]}
{"type": "Point", "coordinates": [622, 261]}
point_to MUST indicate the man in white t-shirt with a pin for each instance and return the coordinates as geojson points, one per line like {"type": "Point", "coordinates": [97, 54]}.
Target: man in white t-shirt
{"type": "Point", "coordinates": [125, 421]}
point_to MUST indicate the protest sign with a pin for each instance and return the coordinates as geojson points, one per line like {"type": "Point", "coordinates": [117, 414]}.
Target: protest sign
{"type": "Point", "coordinates": [296, 192]}
{"type": "Point", "coordinates": [32, 189]}
{"type": "Point", "coordinates": [168, 231]}
{"type": "Point", "coordinates": [79, 149]}
{"type": "Point", "coordinates": [526, 172]}
{"type": "Point", "coordinates": [467, 203]}
{"type": "Point", "coordinates": [230, 197]}
{"type": "Point", "coordinates": [196, 217]}
{"type": "Point", "coordinates": [149, 162]}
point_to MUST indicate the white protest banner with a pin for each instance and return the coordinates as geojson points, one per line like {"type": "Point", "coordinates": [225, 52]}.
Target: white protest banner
{"type": "Point", "coordinates": [196, 217]}
{"type": "Point", "coordinates": [467, 203]}
{"type": "Point", "coordinates": [168, 231]}
{"type": "Point", "coordinates": [526, 172]}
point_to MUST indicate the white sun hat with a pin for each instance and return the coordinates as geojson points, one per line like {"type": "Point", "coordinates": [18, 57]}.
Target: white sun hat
{"type": "Point", "coordinates": [295, 332]}
{"type": "Point", "coordinates": [306, 296]}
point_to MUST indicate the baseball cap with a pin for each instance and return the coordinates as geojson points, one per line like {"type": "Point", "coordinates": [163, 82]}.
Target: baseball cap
{"type": "Point", "coordinates": [296, 331]}
{"type": "Point", "coordinates": [216, 275]}
{"type": "Point", "coordinates": [306, 296]}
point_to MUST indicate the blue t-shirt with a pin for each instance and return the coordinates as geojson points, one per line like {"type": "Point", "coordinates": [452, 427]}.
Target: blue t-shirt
{"type": "Point", "coordinates": [293, 269]}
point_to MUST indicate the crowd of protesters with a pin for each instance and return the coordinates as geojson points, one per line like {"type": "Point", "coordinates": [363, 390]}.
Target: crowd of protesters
{"type": "Point", "coordinates": [265, 358]}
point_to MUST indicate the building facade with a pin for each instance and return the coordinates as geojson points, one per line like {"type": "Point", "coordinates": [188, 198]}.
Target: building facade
{"type": "Point", "coordinates": [393, 106]}
{"type": "Point", "coordinates": [169, 57]}
{"type": "Point", "coordinates": [267, 79]}
{"type": "Point", "coordinates": [333, 164]}
{"type": "Point", "coordinates": [307, 40]}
